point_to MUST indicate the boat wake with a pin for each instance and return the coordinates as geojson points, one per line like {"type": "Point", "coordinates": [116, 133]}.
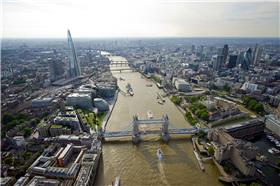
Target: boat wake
{"type": "Point", "coordinates": [162, 173]}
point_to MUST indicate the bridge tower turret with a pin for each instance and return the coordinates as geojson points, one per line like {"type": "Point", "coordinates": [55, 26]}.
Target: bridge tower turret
{"type": "Point", "coordinates": [164, 132]}
{"type": "Point", "coordinates": [135, 131]}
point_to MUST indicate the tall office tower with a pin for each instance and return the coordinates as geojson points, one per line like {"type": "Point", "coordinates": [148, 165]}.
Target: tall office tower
{"type": "Point", "coordinates": [218, 62]}
{"type": "Point", "coordinates": [74, 67]}
{"type": "Point", "coordinates": [232, 61]}
{"type": "Point", "coordinates": [193, 49]}
{"type": "Point", "coordinates": [225, 53]}
{"type": "Point", "coordinates": [56, 69]}
{"type": "Point", "coordinates": [256, 54]}
{"type": "Point", "coordinates": [240, 57]}
{"type": "Point", "coordinates": [247, 60]}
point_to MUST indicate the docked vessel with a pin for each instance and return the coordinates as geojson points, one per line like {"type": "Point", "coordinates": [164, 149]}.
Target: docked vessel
{"type": "Point", "coordinates": [273, 150]}
{"type": "Point", "coordinates": [159, 86]}
{"type": "Point", "coordinates": [129, 89]}
{"type": "Point", "coordinates": [160, 154]}
{"type": "Point", "coordinates": [160, 97]}
{"type": "Point", "coordinates": [150, 114]}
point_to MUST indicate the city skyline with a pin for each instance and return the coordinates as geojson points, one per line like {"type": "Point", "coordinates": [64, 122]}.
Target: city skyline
{"type": "Point", "coordinates": [158, 18]}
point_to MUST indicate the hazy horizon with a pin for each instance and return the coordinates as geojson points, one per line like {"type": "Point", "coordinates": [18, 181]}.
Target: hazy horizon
{"type": "Point", "coordinates": [140, 19]}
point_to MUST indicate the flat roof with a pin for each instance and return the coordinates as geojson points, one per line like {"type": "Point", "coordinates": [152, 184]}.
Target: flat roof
{"type": "Point", "coordinates": [65, 151]}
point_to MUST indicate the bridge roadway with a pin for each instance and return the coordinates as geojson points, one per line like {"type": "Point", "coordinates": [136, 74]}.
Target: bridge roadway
{"type": "Point", "coordinates": [120, 69]}
{"type": "Point", "coordinates": [170, 131]}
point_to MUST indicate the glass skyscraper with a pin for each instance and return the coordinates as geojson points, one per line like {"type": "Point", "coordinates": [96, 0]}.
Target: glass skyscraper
{"type": "Point", "coordinates": [74, 67]}
{"type": "Point", "coordinates": [247, 61]}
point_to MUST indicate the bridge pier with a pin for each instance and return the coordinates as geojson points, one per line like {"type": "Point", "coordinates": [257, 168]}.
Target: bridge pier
{"type": "Point", "coordinates": [135, 132]}
{"type": "Point", "coordinates": [164, 133]}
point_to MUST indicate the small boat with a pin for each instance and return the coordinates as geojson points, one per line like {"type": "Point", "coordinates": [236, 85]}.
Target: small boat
{"type": "Point", "coordinates": [160, 102]}
{"type": "Point", "coordinates": [160, 154]}
{"type": "Point", "coordinates": [131, 92]}
{"type": "Point", "coordinates": [117, 181]}
{"type": "Point", "coordinates": [150, 114]}
{"type": "Point", "coordinates": [122, 79]}
{"type": "Point", "coordinates": [149, 85]}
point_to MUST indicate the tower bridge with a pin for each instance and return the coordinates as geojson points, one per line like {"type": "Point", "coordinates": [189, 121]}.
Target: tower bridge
{"type": "Point", "coordinates": [135, 133]}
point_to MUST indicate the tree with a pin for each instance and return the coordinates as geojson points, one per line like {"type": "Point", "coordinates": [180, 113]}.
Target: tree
{"type": "Point", "coordinates": [27, 132]}
{"type": "Point", "coordinates": [211, 150]}
{"type": "Point", "coordinates": [176, 100]}
{"type": "Point", "coordinates": [9, 160]}
{"type": "Point", "coordinates": [7, 118]}
{"type": "Point", "coordinates": [254, 184]}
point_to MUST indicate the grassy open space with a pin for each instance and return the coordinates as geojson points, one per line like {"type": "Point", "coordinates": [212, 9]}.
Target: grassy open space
{"type": "Point", "coordinates": [92, 118]}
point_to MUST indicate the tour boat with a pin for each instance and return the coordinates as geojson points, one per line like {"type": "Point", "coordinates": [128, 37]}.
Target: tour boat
{"type": "Point", "coordinates": [150, 114]}
{"type": "Point", "coordinates": [159, 154]}
{"type": "Point", "coordinates": [117, 181]}
{"type": "Point", "coordinates": [273, 151]}
{"type": "Point", "coordinates": [131, 92]}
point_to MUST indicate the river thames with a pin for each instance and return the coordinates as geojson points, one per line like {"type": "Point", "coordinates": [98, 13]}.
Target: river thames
{"type": "Point", "coordinates": [139, 164]}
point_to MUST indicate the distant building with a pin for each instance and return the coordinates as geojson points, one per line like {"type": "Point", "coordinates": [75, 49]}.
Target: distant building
{"type": "Point", "coordinates": [251, 87]}
{"type": "Point", "coordinates": [256, 55]}
{"type": "Point", "coordinates": [41, 102]}
{"type": "Point", "coordinates": [218, 62]}
{"type": "Point", "coordinates": [56, 69]}
{"type": "Point", "coordinates": [74, 67]}
{"type": "Point", "coordinates": [272, 122]}
{"type": "Point", "coordinates": [247, 60]}
{"type": "Point", "coordinates": [181, 85]}
{"type": "Point", "coordinates": [79, 100]}
{"type": "Point", "coordinates": [225, 54]}
{"type": "Point", "coordinates": [232, 61]}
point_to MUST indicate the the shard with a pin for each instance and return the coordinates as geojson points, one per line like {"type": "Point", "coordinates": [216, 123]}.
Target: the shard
{"type": "Point", "coordinates": [74, 67]}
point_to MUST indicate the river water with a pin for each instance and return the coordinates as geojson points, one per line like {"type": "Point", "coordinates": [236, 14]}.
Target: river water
{"type": "Point", "coordinates": [138, 165]}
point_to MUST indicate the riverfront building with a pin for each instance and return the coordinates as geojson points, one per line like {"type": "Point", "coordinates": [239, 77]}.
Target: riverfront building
{"type": "Point", "coordinates": [239, 152]}
{"type": "Point", "coordinates": [82, 100]}
{"type": "Point", "coordinates": [272, 122]}
{"type": "Point", "coordinates": [247, 130]}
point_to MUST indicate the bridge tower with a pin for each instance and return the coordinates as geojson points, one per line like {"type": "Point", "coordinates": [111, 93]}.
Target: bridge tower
{"type": "Point", "coordinates": [164, 132]}
{"type": "Point", "coordinates": [135, 131]}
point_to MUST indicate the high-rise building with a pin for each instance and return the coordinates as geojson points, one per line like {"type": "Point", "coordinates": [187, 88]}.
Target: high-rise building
{"type": "Point", "coordinates": [225, 53]}
{"type": "Point", "coordinates": [240, 57]}
{"type": "Point", "coordinates": [247, 60]}
{"type": "Point", "coordinates": [193, 49]}
{"type": "Point", "coordinates": [56, 69]}
{"type": "Point", "coordinates": [218, 62]}
{"type": "Point", "coordinates": [256, 54]}
{"type": "Point", "coordinates": [232, 61]}
{"type": "Point", "coordinates": [74, 67]}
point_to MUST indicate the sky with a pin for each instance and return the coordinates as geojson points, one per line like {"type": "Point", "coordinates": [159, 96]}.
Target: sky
{"type": "Point", "coordinates": [139, 18]}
